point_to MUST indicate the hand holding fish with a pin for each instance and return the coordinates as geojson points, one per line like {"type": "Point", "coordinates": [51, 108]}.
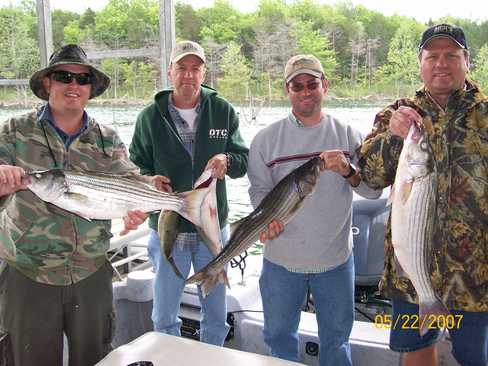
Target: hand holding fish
{"type": "Point", "coordinates": [218, 165]}
{"type": "Point", "coordinates": [133, 220]}
{"type": "Point", "coordinates": [274, 229]}
{"type": "Point", "coordinates": [162, 183]}
{"type": "Point", "coordinates": [11, 179]}
{"type": "Point", "coordinates": [336, 161]}
{"type": "Point", "coordinates": [402, 119]}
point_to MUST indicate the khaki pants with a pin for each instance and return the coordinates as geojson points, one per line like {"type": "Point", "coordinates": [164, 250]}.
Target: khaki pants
{"type": "Point", "coordinates": [34, 316]}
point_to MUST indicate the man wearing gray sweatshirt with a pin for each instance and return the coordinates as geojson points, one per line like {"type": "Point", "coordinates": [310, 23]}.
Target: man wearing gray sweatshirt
{"type": "Point", "coordinates": [314, 251]}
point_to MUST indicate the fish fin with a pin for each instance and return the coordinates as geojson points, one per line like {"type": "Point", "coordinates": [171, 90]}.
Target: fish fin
{"type": "Point", "coordinates": [175, 268]}
{"type": "Point", "coordinates": [167, 222]}
{"type": "Point", "coordinates": [203, 179]}
{"type": "Point", "coordinates": [428, 313]}
{"type": "Point", "coordinates": [82, 199]}
{"type": "Point", "coordinates": [405, 190]}
{"type": "Point", "coordinates": [209, 281]}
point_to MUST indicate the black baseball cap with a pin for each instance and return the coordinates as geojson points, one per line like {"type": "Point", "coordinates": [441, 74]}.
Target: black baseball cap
{"type": "Point", "coordinates": [444, 30]}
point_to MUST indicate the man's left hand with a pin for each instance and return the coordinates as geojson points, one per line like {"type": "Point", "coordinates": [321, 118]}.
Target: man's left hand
{"type": "Point", "coordinates": [162, 183]}
{"type": "Point", "coordinates": [218, 164]}
{"type": "Point", "coordinates": [274, 229]}
{"type": "Point", "coordinates": [336, 161]}
{"type": "Point", "coordinates": [132, 221]}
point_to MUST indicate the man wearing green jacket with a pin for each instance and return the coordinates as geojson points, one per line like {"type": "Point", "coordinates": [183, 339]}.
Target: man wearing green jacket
{"type": "Point", "coordinates": [183, 132]}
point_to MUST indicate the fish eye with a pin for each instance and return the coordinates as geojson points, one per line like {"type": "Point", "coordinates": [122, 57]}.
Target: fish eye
{"type": "Point", "coordinates": [38, 176]}
{"type": "Point", "coordinates": [423, 145]}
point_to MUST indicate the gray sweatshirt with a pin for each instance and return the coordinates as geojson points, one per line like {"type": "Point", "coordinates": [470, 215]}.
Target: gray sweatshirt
{"type": "Point", "coordinates": [319, 238]}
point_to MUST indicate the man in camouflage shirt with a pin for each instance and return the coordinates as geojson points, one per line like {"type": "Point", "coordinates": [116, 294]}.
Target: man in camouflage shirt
{"type": "Point", "coordinates": [455, 114]}
{"type": "Point", "coordinates": [54, 275]}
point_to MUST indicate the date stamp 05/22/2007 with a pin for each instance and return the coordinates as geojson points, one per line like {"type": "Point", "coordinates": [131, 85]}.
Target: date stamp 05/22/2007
{"type": "Point", "coordinates": [413, 321]}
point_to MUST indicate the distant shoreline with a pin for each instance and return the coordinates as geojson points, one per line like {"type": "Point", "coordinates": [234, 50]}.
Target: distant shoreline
{"type": "Point", "coordinates": [122, 102]}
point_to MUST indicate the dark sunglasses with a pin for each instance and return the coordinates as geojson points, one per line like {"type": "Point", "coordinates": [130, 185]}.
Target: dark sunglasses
{"type": "Point", "coordinates": [66, 77]}
{"type": "Point", "coordinates": [299, 87]}
{"type": "Point", "coordinates": [141, 363]}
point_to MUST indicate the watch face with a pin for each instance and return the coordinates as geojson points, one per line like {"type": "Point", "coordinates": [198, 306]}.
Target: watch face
{"type": "Point", "coordinates": [352, 171]}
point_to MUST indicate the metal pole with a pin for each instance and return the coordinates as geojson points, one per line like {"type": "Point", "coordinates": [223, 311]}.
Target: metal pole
{"type": "Point", "coordinates": [167, 35]}
{"type": "Point", "coordinates": [45, 31]}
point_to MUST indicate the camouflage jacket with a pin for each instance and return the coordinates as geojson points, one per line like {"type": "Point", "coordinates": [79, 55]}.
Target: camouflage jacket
{"type": "Point", "coordinates": [47, 244]}
{"type": "Point", "coordinates": [459, 137]}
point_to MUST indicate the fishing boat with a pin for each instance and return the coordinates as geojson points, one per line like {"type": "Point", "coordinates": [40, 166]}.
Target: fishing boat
{"type": "Point", "coordinates": [370, 333]}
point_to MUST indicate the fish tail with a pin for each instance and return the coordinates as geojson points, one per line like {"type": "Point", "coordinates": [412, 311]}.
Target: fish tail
{"type": "Point", "coordinates": [207, 280]}
{"type": "Point", "coordinates": [201, 209]}
{"type": "Point", "coordinates": [429, 314]}
{"type": "Point", "coordinates": [191, 209]}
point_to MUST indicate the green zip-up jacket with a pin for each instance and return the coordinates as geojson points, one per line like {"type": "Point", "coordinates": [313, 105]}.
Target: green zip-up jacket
{"type": "Point", "coordinates": [459, 139]}
{"type": "Point", "coordinates": [47, 244]}
{"type": "Point", "coordinates": [157, 148]}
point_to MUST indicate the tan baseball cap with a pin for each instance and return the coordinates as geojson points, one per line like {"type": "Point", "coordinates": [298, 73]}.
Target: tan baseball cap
{"type": "Point", "coordinates": [185, 48]}
{"type": "Point", "coordinates": [303, 64]}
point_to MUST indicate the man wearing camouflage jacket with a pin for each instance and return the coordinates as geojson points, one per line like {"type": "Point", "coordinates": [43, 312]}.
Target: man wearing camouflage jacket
{"type": "Point", "coordinates": [54, 275]}
{"type": "Point", "coordinates": [454, 112]}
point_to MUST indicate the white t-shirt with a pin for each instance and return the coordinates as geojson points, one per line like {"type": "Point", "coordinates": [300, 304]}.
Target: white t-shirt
{"type": "Point", "coordinates": [189, 115]}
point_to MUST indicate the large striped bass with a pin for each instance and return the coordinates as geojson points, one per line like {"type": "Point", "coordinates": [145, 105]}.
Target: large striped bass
{"type": "Point", "coordinates": [102, 196]}
{"type": "Point", "coordinates": [282, 203]}
{"type": "Point", "coordinates": [413, 199]}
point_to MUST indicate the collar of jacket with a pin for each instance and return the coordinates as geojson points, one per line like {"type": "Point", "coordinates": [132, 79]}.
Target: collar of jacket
{"type": "Point", "coordinates": [161, 98]}
{"type": "Point", "coordinates": [471, 94]}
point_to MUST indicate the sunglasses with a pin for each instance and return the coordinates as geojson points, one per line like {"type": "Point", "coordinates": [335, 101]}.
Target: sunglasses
{"type": "Point", "coordinates": [66, 77]}
{"type": "Point", "coordinates": [299, 87]}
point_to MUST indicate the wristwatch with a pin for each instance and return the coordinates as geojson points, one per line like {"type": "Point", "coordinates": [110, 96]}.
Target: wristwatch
{"type": "Point", "coordinates": [229, 159]}
{"type": "Point", "coordinates": [352, 171]}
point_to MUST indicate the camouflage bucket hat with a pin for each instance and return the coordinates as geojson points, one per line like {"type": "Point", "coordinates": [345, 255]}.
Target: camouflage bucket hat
{"type": "Point", "coordinates": [69, 54]}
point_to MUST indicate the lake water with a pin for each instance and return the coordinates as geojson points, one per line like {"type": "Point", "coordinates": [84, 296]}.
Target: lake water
{"type": "Point", "coordinates": [123, 119]}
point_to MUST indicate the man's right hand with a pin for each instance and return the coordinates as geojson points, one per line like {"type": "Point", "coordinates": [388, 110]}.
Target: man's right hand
{"type": "Point", "coordinates": [11, 179]}
{"type": "Point", "coordinates": [402, 119]}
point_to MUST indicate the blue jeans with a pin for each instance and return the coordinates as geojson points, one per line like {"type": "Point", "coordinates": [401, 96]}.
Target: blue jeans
{"type": "Point", "coordinates": [168, 289]}
{"type": "Point", "coordinates": [283, 293]}
{"type": "Point", "coordinates": [468, 332]}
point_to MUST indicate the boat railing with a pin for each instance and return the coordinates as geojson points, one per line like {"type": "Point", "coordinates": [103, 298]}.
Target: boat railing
{"type": "Point", "coordinates": [128, 253]}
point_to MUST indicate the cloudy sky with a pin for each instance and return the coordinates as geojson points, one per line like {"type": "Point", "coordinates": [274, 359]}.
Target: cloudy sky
{"type": "Point", "coordinates": [422, 10]}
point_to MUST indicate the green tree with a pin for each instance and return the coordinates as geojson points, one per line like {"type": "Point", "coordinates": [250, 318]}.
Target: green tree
{"type": "Point", "coordinates": [234, 82]}
{"type": "Point", "coordinates": [60, 19]}
{"type": "Point", "coordinates": [127, 23]}
{"type": "Point", "coordinates": [19, 54]}
{"type": "Point", "coordinates": [402, 66]}
{"type": "Point", "coordinates": [220, 23]}
{"type": "Point", "coordinates": [480, 69]}
{"type": "Point", "coordinates": [88, 19]}
{"type": "Point", "coordinates": [188, 23]}
{"type": "Point", "coordinates": [310, 41]}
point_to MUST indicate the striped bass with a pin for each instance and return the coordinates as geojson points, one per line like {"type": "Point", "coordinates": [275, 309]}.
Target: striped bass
{"type": "Point", "coordinates": [413, 199]}
{"type": "Point", "coordinates": [102, 196]}
{"type": "Point", "coordinates": [281, 203]}
{"type": "Point", "coordinates": [168, 222]}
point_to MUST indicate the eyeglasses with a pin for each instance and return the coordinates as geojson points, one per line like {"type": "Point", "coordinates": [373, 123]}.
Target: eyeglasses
{"type": "Point", "coordinates": [66, 77]}
{"type": "Point", "coordinates": [299, 87]}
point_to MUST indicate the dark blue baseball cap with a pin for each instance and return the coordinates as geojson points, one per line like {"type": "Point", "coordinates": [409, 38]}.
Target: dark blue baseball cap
{"type": "Point", "coordinates": [452, 32]}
